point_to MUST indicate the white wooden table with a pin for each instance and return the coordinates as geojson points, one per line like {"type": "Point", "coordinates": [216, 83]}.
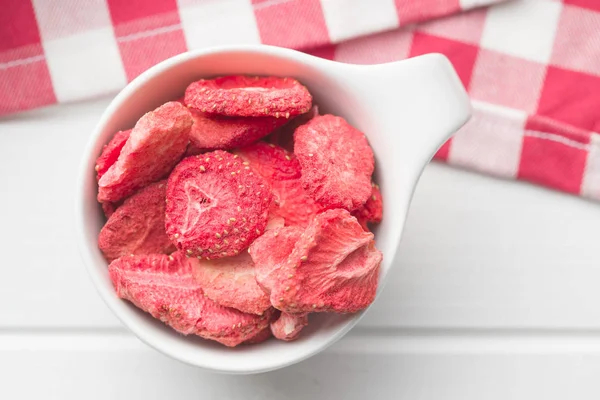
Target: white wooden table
{"type": "Point", "coordinates": [496, 295]}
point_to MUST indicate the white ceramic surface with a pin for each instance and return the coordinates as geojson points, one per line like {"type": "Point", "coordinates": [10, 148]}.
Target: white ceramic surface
{"type": "Point", "coordinates": [407, 110]}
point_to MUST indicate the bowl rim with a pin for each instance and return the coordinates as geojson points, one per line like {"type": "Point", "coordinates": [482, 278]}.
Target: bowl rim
{"type": "Point", "coordinates": [107, 294]}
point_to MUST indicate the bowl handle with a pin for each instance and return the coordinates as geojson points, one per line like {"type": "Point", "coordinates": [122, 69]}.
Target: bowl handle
{"type": "Point", "coordinates": [416, 104]}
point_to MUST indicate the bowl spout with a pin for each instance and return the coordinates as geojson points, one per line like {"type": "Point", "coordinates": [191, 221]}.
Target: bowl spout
{"type": "Point", "coordinates": [415, 105]}
{"type": "Point", "coordinates": [409, 109]}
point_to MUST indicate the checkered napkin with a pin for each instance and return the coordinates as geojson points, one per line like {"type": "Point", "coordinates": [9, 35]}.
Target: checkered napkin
{"type": "Point", "coordinates": [532, 67]}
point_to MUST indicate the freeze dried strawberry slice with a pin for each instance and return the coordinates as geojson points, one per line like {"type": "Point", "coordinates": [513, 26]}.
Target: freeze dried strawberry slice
{"type": "Point", "coordinates": [216, 206]}
{"type": "Point", "coordinates": [295, 206]}
{"type": "Point", "coordinates": [284, 136]}
{"type": "Point", "coordinates": [110, 152]}
{"type": "Point", "coordinates": [155, 145]}
{"type": "Point", "coordinates": [160, 285]}
{"type": "Point", "coordinates": [245, 96]}
{"type": "Point", "coordinates": [138, 226]}
{"type": "Point", "coordinates": [270, 251]}
{"type": "Point", "coordinates": [288, 326]}
{"type": "Point", "coordinates": [165, 287]}
{"type": "Point", "coordinates": [337, 162]}
{"type": "Point", "coordinates": [228, 325]}
{"type": "Point", "coordinates": [272, 162]}
{"type": "Point", "coordinates": [334, 267]}
{"type": "Point", "coordinates": [231, 282]}
{"type": "Point", "coordinates": [281, 169]}
{"type": "Point", "coordinates": [372, 211]}
{"type": "Point", "coordinates": [217, 132]}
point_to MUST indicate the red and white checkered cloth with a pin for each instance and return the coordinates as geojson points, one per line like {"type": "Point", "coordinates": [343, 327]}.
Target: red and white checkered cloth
{"type": "Point", "coordinates": [532, 67]}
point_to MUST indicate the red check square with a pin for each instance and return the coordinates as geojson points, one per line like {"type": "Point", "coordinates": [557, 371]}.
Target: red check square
{"type": "Point", "coordinates": [462, 55]}
{"type": "Point", "coordinates": [552, 160]}
{"type": "Point", "coordinates": [571, 97]}
{"type": "Point", "coordinates": [125, 11]}
{"type": "Point", "coordinates": [18, 26]}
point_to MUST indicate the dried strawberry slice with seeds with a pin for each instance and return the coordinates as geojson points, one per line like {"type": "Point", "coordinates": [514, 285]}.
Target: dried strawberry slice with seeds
{"type": "Point", "coordinates": [337, 162]}
{"type": "Point", "coordinates": [165, 287]}
{"type": "Point", "coordinates": [231, 282]}
{"type": "Point", "coordinates": [372, 211]}
{"type": "Point", "coordinates": [217, 132]}
{"type": "Point", "coordinates": [288, 326]}
{"type": "Point", "coordinates": [281, 169]}
{"type": "Point", "coordinates": [229, 326]}
{"type": "Point", "coordinates": [138, 226]}
{"type": "Point", "coordinates": [160, 285]}
{"type": "Point", "coordinates": [272, 162]}
{"type": "Point", "coordinates": [155, 145]}
{"type": "Point", "coordinates": [270, 251]}
{"type": "Point", "coordinates": [334, 267]}
{"type": "Point", "coordinates": [244, 96]}
{"type": "Point", "coordinates": [295, 206]}
{"type": "Point", "coordinates": [216, 206]}
{"type": "Point", "coordinates": [110, 152]}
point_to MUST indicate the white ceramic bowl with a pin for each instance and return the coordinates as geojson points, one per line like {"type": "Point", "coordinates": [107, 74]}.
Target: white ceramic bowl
{"type": "Point", "coordinates": [407, 110]}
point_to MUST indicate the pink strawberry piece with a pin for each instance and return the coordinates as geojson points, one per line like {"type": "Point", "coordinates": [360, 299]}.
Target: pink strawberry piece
{"type": "Point", "coordinates": [272, 162]}
{"type": "Point", "coordinates": [281, 169]}
{"type": "Point", "coordinates": [165, 287]}
{"type": "Point", "coordinates": [155, 145]}
{"type": "Point", "coordinates": [337, 162]}
{"type": "Point", "coordinates": [270, 251]}
{"type": "Point", "coordinates": [217, 132]}
{"type": "Point", "coordinates": [372, 211]}
{"type": "Point", "coordinates": [229, 326]}
{"type": "Point", "coordinates": [288, 326]}
{"type": "Point", "coordinates": [110, 152]}
{"type": "Point", "coordinates": [334, 267]}
{"type": "Point", "coordinates": [230, 282]}
{"type": "Point", "coordinates": [216, 206]}
{"type": "Point", "coordinates": [138, 226]}
{"type": "Point", "coordinates": [244, 96]}
{"type": "Point", "coordinates": [284, 136]}
{"type": "Point", "coordinates": [295, 206]}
